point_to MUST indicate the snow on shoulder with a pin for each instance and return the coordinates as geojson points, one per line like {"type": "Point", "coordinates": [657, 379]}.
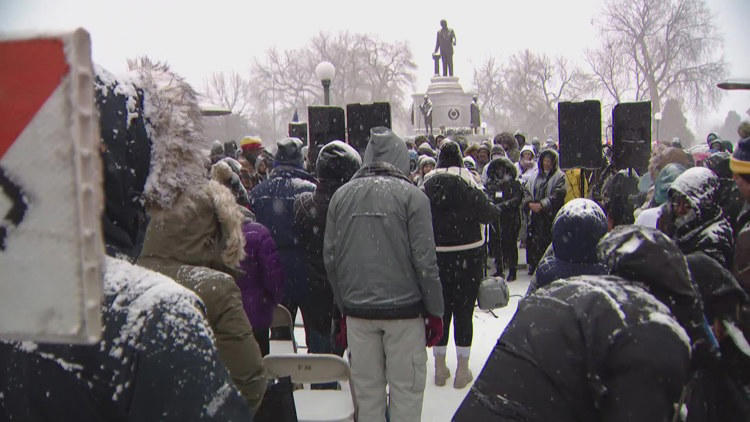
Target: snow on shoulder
{"type": "Point", "coordinates": [138, 292]}
{"type": "Point", "coordinates": [618, 293]}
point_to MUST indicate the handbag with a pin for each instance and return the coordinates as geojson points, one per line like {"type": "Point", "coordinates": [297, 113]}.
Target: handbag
{"type": "Point", "coordinates": [493, 293]}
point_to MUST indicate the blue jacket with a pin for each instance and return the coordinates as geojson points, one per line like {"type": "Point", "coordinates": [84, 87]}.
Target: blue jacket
{"type": "Point", "coordinates": [576, 230]}
{"type": "Point", "coordinates": [272, 201]}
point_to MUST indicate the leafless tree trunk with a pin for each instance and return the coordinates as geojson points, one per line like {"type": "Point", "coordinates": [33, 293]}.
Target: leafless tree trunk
{"type": "Point", "coordinates": [656, 49]}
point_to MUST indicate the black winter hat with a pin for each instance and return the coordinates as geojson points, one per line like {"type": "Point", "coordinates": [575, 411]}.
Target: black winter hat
{"type": "Point", "coordinates": [337, 161]}
{"type": "Point", "coordinates": [230, 149]}
{"type": "Point", "coordinates": [289, 152]}
{"type": "Point", "coordinates": [740, 162]}
{"type": "Point", "coordinates": [450, 155]}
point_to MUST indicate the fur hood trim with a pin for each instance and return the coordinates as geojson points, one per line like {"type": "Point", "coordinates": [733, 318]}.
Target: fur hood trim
{"type": "Point", "coordinates": [203, 228]}
{"type": "Point", "coordinates": [174, 127]}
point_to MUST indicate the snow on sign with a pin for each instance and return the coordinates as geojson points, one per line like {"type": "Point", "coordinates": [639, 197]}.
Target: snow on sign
{"type": "Point", "coordinates": [51, 250]}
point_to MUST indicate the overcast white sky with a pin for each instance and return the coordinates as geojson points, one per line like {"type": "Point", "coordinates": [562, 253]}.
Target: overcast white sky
{"type": "Point", "coordinates": [198, 38]}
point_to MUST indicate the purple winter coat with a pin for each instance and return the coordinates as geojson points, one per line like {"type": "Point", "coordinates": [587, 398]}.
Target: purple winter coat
{"type": "Point", "coordinates": [262, 284]}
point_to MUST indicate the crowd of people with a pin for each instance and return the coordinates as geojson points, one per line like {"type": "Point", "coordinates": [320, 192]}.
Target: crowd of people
{"type": "Point", "coordinates": [638, 309]}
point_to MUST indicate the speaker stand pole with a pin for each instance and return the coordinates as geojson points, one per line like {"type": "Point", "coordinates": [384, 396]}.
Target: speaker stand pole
{"type": "Point", "coordinates": [582, 181]}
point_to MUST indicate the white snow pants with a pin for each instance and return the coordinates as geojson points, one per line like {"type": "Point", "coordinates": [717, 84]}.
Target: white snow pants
{"type": "Point", "coordinates": [388, 352]}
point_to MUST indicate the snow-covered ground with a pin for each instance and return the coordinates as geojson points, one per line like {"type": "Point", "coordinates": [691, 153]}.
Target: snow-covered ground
{"type": "Point", "coordinates": [441, 402]}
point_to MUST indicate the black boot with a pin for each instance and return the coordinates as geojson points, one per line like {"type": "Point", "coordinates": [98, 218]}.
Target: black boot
{"type": "Point", "coordinates": [498, 268]}
{"type": "Point", "coordinates": [511, 274]}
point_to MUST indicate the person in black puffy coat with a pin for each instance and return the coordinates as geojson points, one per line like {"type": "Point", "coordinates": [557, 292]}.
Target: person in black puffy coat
{"type": "Point", "coordinates": [506, 192]}
{"type": "Point", "coordinates": [594, 348]}
{"type": "Point", "coordinates": [719, 391]}
{"type": "Point", "coordinates": [695, 218]}
{"type": "Point", "coordinates": [336, 164]}
{"type": "Point", "coordinates": [459, 207]}
{"type": "Point", "coordinates": [272, 201]}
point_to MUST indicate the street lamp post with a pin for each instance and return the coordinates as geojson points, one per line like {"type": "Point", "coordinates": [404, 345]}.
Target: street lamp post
{"type": "Point", "coordinates": [325, 72]}
{"type": "Point", "coordinates": [657, 118]}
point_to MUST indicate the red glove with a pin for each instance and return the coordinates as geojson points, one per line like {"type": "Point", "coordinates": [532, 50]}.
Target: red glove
{"type": "Point", "coordinates": [341, 334]}
{"type": "Point", "coordinates": [433, 328]}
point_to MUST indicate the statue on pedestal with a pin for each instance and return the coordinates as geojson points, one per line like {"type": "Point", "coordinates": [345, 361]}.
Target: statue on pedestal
{"type": "Point", "coordinates": [446, 39]}
{"type": "Point", "coordinates": [426, 109]}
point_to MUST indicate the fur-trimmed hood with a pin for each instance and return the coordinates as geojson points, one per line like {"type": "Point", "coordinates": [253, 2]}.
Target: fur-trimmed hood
{"type": "Point", "coordinates": [173, 123]}
{"type": "Point", "coordinates": [203, 227]}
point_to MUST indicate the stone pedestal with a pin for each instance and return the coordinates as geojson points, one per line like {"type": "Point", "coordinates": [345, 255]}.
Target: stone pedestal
{"type": "Point", "coordinates": [451, 106]}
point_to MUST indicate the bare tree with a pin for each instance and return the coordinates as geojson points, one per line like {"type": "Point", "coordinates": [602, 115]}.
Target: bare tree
{"type": "Point", "coordinates": [674, 124]}
{"type": "Point", "coordinates": [367, 70]}
{"type": "Point", "coordinates": [523, 94]}
{"type": "Point", "coordinates": [656, 49]}
{"type": "Point", "coordinates": [229, 90]}
{"type": "Point", "coordinates": [490, 85]}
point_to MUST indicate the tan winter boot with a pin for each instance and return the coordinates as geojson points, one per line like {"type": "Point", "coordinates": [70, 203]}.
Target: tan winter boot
{"type": "Point", "coordinates": [442, 373]}
{"type": "Point", "coordinates": [463, 373]}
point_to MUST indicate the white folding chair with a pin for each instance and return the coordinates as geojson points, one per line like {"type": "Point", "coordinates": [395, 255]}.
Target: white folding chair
{"type": "Point", "coordinates": [282, 318]}
{"type": "Point", "coordinates": [316, 405]}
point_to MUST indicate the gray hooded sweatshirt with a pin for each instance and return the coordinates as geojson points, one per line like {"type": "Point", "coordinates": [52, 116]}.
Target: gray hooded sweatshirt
{"type": "Point", "coordinates": [379, 249]}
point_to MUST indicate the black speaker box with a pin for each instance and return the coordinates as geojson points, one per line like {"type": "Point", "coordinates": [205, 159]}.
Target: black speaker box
{"type": "Point", "coordinates": [298, 130]}
{"type": "Point", "coordinates": [631, 135]}
{"type": "Point", "coordinates": [326, 124]}
{"type": "Point", "coordinates": [580, 130]}
{"type": "Point", "coordinates": [360, 118]}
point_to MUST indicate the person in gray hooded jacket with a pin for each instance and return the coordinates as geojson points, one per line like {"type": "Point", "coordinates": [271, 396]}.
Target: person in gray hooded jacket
{"type": "Point", "coordinates": [379, 254]}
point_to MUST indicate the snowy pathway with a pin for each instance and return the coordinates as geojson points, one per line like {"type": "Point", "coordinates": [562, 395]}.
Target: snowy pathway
{"type": "Point", "coordinates": [441, 402]}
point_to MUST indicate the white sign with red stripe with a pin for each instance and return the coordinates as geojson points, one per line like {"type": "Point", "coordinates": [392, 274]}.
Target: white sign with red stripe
{"type": "Point", "coordinates": [51, 249]}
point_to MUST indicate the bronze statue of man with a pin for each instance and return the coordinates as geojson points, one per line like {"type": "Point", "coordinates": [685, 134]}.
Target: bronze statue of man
{"type": "Point", "coordinates": [446, 39]}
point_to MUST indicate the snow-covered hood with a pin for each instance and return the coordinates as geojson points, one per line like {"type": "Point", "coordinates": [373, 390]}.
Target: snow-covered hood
{"type": "Point", "coordinates": [647, 255]}
{"type": "Point", "coordinates": [576, 230]}
{"type": "Point", "coordinates": [700, 186]}
{"type": "Point", "coordinates": [150, 128]}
